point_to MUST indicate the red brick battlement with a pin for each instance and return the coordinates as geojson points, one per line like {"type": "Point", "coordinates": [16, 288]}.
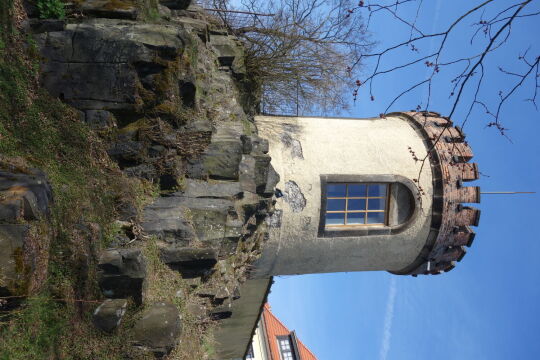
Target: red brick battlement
{"type": "Point", "coordinates": [449, 156]}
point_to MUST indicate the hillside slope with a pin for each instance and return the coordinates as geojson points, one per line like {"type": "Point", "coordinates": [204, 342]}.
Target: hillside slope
{"type": "Point", "coordinates": [130, 169]}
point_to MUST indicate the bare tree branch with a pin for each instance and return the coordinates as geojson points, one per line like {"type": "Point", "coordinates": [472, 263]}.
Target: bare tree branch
{"type": "Point", "coordinates": [300, 56]}
{"type": "Point", "coordinates": [496, 28]}
{"type": "Point", "coordinates": [467, 69]}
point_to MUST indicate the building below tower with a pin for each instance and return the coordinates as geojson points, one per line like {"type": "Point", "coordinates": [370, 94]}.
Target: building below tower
{"type": "Point", "coordinates": [272, 340]}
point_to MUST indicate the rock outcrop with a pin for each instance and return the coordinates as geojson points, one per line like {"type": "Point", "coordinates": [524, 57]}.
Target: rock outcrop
{"type": "Point", "coordinates": [158, 329]}
{"type": "Point", "coordinates": [122, 273]}
{"type": "Point", "coordinates": [109, 314]}
{"type": "Point", "coordinates": [171, 100]}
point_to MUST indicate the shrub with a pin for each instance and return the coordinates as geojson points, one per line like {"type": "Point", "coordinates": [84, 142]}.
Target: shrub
{"type": "Point", "coordinates": [51, 9]}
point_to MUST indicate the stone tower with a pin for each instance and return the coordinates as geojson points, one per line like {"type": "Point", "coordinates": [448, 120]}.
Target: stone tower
{"type": "Point", "coordinates": [368, 194]}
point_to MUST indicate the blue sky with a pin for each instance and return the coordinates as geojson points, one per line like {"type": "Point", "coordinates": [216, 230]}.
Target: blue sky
{"type": "Point", "coordinates": [488, 306]}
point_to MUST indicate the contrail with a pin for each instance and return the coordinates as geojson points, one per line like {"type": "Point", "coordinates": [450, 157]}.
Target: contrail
{"type": "Point", "coordinates": [388, 318]}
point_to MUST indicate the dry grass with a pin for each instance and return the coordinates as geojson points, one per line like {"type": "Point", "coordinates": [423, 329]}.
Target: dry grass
{"type": "Point", "coordinates": [165, 284]}
{"type": "Point", "coordinates": [39, 131]}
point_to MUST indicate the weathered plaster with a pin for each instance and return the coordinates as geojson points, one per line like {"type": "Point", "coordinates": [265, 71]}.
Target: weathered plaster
{"type": "Point", "coordinates": [294, 197]}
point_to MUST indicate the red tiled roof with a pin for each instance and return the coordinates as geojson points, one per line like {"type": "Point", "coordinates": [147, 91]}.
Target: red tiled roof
{"type": "Point", "coordinates": [274, 327]}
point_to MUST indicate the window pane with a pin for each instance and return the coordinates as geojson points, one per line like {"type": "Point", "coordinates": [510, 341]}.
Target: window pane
{"type": "Point", "coordinates": [357, 190]}
{"type": "Point", "coordinates": [335, 219]}
{"type": "Point", "coordinates": [377, 190]}
{"type": "Point", "coordinates": [357, 204]}
{"type": "Point", "coordinates": [376, 204]}
{"type": "Point", "coordinates": [335, 205]}
{"type": "Point", "coordinates": [356, 218]}
{"type": "Point", "coordinates": [375, 217]}
{"type": "Point", "coordinates": [250, 355]}
{"type": "Point", "coordinates": [336, 190]}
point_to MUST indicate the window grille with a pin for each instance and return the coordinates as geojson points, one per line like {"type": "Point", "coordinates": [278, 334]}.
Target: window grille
{"type": "Point", "coordinates": [356, 204]}
{"type": "Point", "coordinates": [250, 355]}
{"type": "Point", "coordinates": [285, 348]}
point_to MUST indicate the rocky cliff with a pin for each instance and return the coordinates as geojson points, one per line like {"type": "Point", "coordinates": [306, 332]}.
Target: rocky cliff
{"type": "Point", "coordinates": [163, 109]}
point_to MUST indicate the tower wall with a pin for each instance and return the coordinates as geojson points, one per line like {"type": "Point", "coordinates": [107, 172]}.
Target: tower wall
{"type": "Point", "coordinates": [309, 152]}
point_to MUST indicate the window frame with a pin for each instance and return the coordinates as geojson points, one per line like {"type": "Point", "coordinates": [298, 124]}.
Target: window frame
{"type": "Point", "coordinates": [366, 211]}
{"type": "Point", "coordinates": [282, 351]}
{"type": "Point", "coordinates": [250, 355]}
{"type": "Point", "coordinates": [366, 229]}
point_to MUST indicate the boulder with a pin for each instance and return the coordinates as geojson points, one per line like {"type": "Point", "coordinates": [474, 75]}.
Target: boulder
{"type": "Point", "coordinates": [178, 219]}
{"type": "Point", "coordinates": [222, 158]}
{"type": "Point", "coordinates": [197, 311]}
{"type": "Point", "coordinates": [109, 314]}
{"type": "Point", "coordinates": [107, 86]}
{"type": "Point", "coordinates": [254, 145]}
{"type": "Point", "coordinates": [38, 26]}
{"type": "Point", "coordinates": [176, 4]}
{"type": "Point", "coordinates": [207, 292]}
{"type": "Point", "coordinates": [229, 51]}
{"type": "Point", "coordinates": [24, 196]}
{"type": "Point", "coordinates": [122, 274]}
{"type": "Point", "coordinates": [253, 205]}
{"type": "Point", "coordinates": [159, 328]}
{"type": "Point", "coordinates": [223, 311]}
{"type": "Point", "coordinates": [193, 283]}
{"type": "Point", "coordinates": [209, 224]}
{"type": "Point", "coordinates": [228, 246]}
{"type": "Point", "coordinates": [190, 262]}
{"type": "Point", "coordinates": [164, 12]}
{"type": "Point", "coordinates": [123, 151]}
{"type": "Point", "coordinates": [143, 171]}
{"type": "Point", "coordinates": [254, 173]}
{"type": "Point", "coordinates": [114, 9]}
{"type": "Point", "coordinates": [221, 189]}
{"type": "Point", "coordinates": [167, 219]}
{"type": "Point", "coordinates": [100, 119]}
{"type": "Point", "coordinates": [210, 217]}
{"type": "Point", "coordinates": [271, 181]}
{"type": "Point", "coordinates": [234, 226]}
{"type": "Point", "coordinates": [96, 65]}
{"type": "Point", "coordinates": [221, 294]}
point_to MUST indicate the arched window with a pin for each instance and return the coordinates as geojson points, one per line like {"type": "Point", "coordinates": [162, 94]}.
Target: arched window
{"type": "Point", "coordinates": [354, 205]}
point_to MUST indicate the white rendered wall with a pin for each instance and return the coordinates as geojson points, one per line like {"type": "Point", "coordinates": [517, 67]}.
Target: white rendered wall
{"type": "Point", "coordinates": [259, 343]}
{"type": "Point", "coordinates": [340, 146]}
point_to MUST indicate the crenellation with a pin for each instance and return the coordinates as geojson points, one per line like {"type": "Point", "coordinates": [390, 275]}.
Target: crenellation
{"type": "Point", "coordinates": [468, 194]}
{"type": "Point", "coordinates": [453, 253]}
{"type": "Point", "coordinates": [450, 157]}
{"type": "Point", "coordinates": [468, 171]}
{"type": "Point", "coordinates": [467, 216]}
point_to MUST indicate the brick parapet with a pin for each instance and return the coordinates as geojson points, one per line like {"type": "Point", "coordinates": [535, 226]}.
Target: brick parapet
{"type": "Point", "coordinates": [449, 156]}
